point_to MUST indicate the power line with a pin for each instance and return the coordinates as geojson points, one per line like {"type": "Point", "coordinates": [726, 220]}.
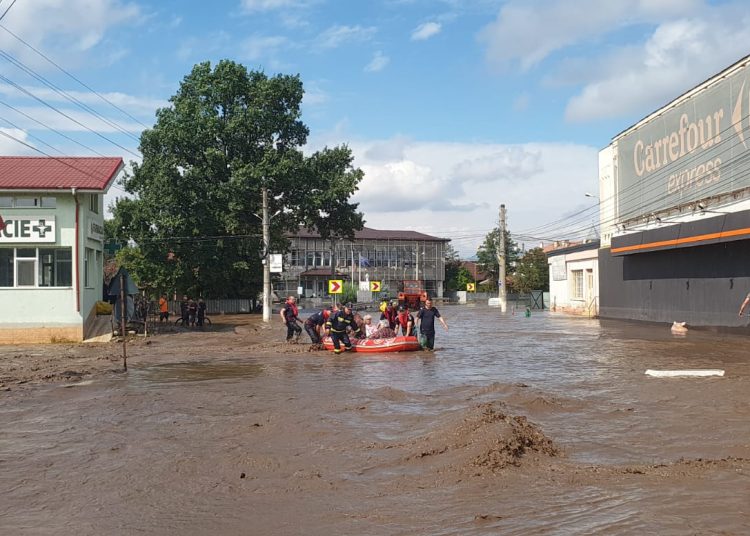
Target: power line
{"type": "Point", "coordinates": [73, 77]}
{"type": "Point", "coordinates": [6, 11]}
{"type": "Point", "coordinates": [19, 64]}
{"type": "Point", "coordinates": [45, 103]}
{"type": "Point", "coordinates": [49, 128]}
{"type": "Point", "coordinates": [58, 159]}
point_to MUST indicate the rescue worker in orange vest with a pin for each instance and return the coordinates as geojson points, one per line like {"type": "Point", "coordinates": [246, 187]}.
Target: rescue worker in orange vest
{"type": "Point", "coordinates": [405, 321]}
{"type": "Point", "coordinates": [290, 316]}
{"type": "Point", "coordinates": [338, 324]}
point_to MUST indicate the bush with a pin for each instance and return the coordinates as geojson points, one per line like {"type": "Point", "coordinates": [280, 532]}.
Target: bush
{"type": "Point", "coordinates": [349, 294]}
{"type": "Point", "coordinates": [103, 308]}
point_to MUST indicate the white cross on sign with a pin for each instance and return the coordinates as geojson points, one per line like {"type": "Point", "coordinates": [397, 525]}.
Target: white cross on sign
{"type": "Point", "coordinates": [27, 229]}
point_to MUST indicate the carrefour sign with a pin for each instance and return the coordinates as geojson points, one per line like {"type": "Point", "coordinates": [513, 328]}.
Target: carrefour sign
{"type": "Point", "coordinates": [27, 229]}
{"type": "Point", "coordinates": [695, 149]}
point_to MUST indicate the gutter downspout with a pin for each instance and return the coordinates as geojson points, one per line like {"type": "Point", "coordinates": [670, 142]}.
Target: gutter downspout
{"type": "Point", "coordinates": [73, 191]}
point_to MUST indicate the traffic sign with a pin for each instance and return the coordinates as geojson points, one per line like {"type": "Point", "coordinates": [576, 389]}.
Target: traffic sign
{"type": "Point", "coordinates": [374, 286]}
{"type": "Point", "coordinates": [335, 286]}
{"type": "Point", "coordinates": [471, 287]}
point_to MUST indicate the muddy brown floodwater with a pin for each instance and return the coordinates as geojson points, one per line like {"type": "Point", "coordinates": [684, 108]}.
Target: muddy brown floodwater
{"type": "Point", "coordinates": [541, 425]}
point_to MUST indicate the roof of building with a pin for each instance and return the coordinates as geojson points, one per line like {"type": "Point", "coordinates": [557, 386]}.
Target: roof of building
{"type": "Point", "coordinates": [367, 233]}
{"type": "Point", "coordinates": [320, 272]}
{"type": "Point", "coordinates": [572, 247]}
{"type": "Point", "coordinates": [53, 173]}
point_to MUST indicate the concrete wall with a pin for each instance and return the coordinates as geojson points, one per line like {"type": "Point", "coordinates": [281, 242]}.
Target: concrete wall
{"type": "Point", "coordinates": [703, 286]}
{"type": "Point", "coordinates": [561, 292]}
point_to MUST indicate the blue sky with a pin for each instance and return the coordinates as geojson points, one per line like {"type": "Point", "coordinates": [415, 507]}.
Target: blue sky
{"type": "Point", "coordinates": [451, 107]}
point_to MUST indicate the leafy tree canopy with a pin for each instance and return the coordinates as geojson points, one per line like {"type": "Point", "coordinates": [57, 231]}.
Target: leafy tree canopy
{"type": "Point", "coordinates": [487, 254]}
{"type": "Point", "coordinates": [532, 272]}
{"type": "Point", "coordinates": [195, 216]}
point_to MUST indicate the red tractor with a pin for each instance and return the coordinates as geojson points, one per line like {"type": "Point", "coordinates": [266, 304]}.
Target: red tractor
{"type": "Point", "coordinates": [413, 296]}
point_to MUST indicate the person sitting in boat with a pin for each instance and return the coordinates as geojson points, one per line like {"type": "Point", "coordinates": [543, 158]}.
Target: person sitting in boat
{"type": "Point", "coordinates": [404, 321]}
{"type": "Point", "coordinates": [337, 326]}
{"type": "Point", "coordinates": [370, 328]}
{"type": "Point", "coordinates": [359, 321]}
{"type": "Point", "coordinates": [384, 331]}
{"type": "Point", "coordinates": [314, 324]}
{"type": "Point", "coordinates": [390, 316]}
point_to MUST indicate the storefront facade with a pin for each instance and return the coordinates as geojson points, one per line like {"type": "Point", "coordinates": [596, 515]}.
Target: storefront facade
{"type": "Point", "coordinates": [51, 245]}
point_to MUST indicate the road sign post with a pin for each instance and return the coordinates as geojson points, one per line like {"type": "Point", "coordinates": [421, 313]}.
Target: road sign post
{"type": "Point", "coordinates": [375, 286]}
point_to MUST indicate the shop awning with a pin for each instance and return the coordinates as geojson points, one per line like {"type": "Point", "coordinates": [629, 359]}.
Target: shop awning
{"type": "Point", "coordinates": [711, 229]}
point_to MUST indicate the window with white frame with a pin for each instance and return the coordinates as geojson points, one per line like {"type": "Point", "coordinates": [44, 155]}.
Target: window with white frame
{"type": "Point", "coordinates": [576, 290]}
{"type": "Point", "coordinates": [26, 262]}
{"type": "Point", "coordinates": [32, 267]}
{"type": "Point", "coordinates": [94, 203]}
{"type": "Point", "coordinates": [88, 266]}
{"type": "Point", "coordinates": [28, 202]}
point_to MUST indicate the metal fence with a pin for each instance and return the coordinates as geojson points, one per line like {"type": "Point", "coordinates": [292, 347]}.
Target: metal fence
{"type": "Point", "coordinates": [219, 307]}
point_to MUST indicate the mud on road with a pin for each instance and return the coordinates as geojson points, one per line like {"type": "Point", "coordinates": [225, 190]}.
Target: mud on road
{"type": "Point", "coordinates": [544, 425]}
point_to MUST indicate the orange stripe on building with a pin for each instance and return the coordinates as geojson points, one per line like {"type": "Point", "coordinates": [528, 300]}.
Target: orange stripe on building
{"type": "Point", "coordinates": [686, 240]}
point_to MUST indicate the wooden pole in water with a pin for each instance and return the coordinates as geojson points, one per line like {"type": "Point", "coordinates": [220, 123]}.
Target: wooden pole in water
{"type": "Point", "coordinates": [124, 334]}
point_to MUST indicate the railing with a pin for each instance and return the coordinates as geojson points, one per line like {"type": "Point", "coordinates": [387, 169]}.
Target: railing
{"type": "Point", "coordinates": [220, 307]}
{"type": "Point", "coordinates": [591, 304]}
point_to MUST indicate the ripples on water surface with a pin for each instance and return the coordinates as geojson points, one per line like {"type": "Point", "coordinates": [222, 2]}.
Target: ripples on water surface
{"type": "Point", "coordinates": [321, 440]}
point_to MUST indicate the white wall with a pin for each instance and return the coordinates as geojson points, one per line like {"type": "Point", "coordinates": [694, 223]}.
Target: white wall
{"type": "Point", "coordinates": [607, 183]}
{"type": "Point", "coordinates": [561, 292]}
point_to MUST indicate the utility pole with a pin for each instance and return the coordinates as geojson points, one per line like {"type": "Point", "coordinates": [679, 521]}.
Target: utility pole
{"type": "Point", "coordinates": [266, 265]}
{"type": "Point", "coordinates": [502, 295]}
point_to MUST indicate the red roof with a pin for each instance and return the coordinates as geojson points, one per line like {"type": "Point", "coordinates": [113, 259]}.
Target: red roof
{"type": "Point", "coordinates": [52, 173]}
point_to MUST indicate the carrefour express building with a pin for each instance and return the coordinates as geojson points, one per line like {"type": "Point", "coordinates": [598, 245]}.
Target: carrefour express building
{"type": "Point", "coordinates": [675, 208]}
{"type": "Point", "coordinates": [51, 245]}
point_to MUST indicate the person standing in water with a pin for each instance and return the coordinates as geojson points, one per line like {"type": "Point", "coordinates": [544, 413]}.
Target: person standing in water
{"type": "Point", "coordinates": [426, 320]}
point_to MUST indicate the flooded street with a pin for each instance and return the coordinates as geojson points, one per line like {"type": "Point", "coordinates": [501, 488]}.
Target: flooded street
{"type": "Point", "coordinates": [541, 425]}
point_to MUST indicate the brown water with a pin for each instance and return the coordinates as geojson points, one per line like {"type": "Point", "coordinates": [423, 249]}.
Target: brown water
{"type": "Point", "coordinates": [253, 441]}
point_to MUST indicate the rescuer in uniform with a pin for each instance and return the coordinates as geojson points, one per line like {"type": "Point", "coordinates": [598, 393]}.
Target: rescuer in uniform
{"type": "Point", "coordinates": [289, 315]}
{"type": "Point", "coordinates": [314, 323]}
{"type": "Point", "coordinates": [338, 324]}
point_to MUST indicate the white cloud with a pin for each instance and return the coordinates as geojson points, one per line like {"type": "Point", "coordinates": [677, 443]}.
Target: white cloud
{"type": "Point", "coordinates": [677, 56]}
{"type": "Point", "coordinates": [425, 31]}
{"type": "Point", "coordinates": [530, 30]}
{"type": "Point", "coordinates": [69, 27]}
{"type": "Point", "coordinates": [260, 46]}
{"type": "Point", "coordinates": [378, 62]}
{"type": "Point", "coordinates": [454, 189]}
{"type": "Point", "coordinates": [270, 5]}
{"type": "Point", "coordinates": [52, 119]}
{"type": "Point", "coordinates": [336, 36]}
{"type": "Point", "coordinates": [511, 163]}
{"type": "Point", "coordinates": [9, 146]}
{"type": "Point", "coordinates": [133, 104]}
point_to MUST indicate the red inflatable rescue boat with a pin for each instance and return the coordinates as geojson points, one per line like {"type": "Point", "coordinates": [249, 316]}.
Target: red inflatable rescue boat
{"type": "Point", "coordinates": [379, 346]}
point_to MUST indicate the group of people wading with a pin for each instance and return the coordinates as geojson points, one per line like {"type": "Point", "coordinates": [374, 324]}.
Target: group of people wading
{"type": "Point", "coordinates": [338, 322]}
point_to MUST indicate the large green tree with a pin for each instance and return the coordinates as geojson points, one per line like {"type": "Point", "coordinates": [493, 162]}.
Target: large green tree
{"type": "Point", "coordinates": [532, 272]}
{"type": "Point", "coordinates": [227, 134]}
{"type": "Point", "coordinates": [487, 254]}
